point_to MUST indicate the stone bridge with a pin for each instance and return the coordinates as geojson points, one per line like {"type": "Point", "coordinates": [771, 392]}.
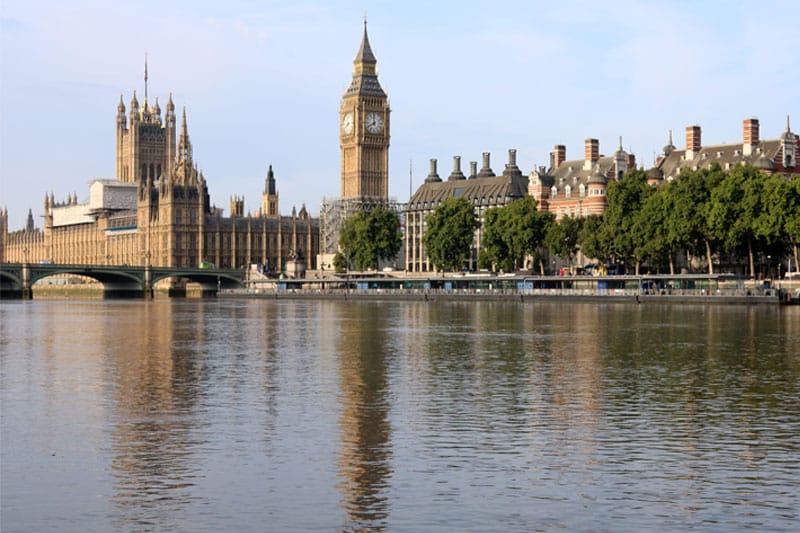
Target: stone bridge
{"type": "Point", "coordinates": [17, 279]}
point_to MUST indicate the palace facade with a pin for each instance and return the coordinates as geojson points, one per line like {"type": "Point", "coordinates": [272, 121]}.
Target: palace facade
{"type": "Point", "coordinates": [157, 211]}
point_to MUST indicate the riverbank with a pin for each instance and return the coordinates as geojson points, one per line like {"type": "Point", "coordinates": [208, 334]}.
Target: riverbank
{"type": "Point", "coordinates": [773, 297]}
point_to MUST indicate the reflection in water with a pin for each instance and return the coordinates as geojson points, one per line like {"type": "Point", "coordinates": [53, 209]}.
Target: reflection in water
{"type": "Point", "coordinates": [155, 379]}
{"type": "Point", "coordinates": [288, 415]}
{"type": "Point", "coordinates": [364, 351]}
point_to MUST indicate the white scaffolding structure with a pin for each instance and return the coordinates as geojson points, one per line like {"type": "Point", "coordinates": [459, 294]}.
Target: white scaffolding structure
{"type": "Point", "coordinates": [334, 211]}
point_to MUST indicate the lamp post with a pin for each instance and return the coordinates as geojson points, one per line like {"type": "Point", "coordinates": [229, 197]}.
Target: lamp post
{"type": "Point", "coordinates": [769, 264]}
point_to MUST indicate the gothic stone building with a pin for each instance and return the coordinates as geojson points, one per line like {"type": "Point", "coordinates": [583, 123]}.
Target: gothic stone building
{"type": "Point", "coordinates": [157, 211]}
{"type": "Point", "coordinates": [364, 144]}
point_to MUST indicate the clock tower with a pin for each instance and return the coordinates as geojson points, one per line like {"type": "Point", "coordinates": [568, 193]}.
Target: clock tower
{"type": "Point", "coordinates": [364, 131]}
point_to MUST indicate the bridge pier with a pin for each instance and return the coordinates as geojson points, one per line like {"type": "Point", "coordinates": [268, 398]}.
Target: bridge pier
{"type": "Point", "coordinates": [27, 290]}
{"type": "Point", "coordinates": [148, 282]}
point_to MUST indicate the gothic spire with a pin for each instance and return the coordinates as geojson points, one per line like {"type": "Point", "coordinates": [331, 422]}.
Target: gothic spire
{"type": "Point", "coordinates": [184, 146]}
{"type": "Point", "coordinates": [270, 188]}
{"type": "Point", "coordinates": [365, 73]}
{"type": "Point", "coordinates": [365, 54]}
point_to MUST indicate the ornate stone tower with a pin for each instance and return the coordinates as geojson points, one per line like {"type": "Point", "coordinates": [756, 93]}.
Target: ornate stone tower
{"type": "Point", "coordinates": [364, 131]}
{"type": "Point", "coordinates": [269, 198]}
{"type": "Point", "coordinates": [145, 147]}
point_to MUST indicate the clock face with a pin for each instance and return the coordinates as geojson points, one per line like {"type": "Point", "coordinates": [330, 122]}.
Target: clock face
{"type": "Point", "coordinates": [374, 123]}
{"type": "Point", "coordinates": [347, 123]}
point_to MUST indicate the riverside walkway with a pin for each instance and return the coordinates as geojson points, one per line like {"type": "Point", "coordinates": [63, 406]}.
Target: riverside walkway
{"type": "Point", "coordinates": [686, 288]}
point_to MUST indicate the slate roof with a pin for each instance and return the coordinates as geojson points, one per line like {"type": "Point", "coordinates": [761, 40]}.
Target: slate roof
{"type": "Point", "coordinates": [488, 191]}
{"type": "Point", "coordinates": [726, 155]}
{"type": "Point", "coordinates": [575, 174]}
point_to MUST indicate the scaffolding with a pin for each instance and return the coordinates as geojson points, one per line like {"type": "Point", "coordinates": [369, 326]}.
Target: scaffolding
{"type": "Point", "coordinates": [334, 211]}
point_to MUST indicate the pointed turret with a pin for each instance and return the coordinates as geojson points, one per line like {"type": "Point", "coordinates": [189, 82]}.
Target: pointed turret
{"type": "Point", "coordinates": [269, 186]}
{"type": "Point", "coordinates": [29, 227]}
{"type": "Point", "coordinates": [134, 113]}
{"type": "Point", "coordinates": [790, 147]}
{"type": "Point", "coordinates": [269, 199]}
{"type": "Point", "coordinates": [669, 146]}
{"type": "Point", "coordinates": [184, 145]}
{"type": "Point", "coordinates": [365, 75]}
{"type": "Point", "coordinates": [365, 54]}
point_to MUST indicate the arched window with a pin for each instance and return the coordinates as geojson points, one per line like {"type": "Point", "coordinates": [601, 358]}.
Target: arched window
{"type": "Point", "coordinates": [553, 192]}
{"type": "Point", "coordinates": [582, 189]}
{"type": "Point", "coordinates": [567, 191]}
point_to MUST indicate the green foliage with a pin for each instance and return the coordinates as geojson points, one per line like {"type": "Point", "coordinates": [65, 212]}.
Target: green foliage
{"type": "Point", "coordinates": [562, 237]}
{"type": "Point", "coordinates": [654, 242]}
{"type": "Point", "coordinates": [367, 237]}
{"type": "Point", "coordinates": [591, 238]}
{"type": "Point", "coordinates": [339, 263]}
{"type": "Point", "coordinates": [625, 200]}
{"type": "Point", "coordinates": [736, 206]}
{"type": "Point", "coordinates": [449, 234]}
{"type": "Point", "coordinates": [512, 232]}
{"type": "Point", "coordinates": [688, 221]}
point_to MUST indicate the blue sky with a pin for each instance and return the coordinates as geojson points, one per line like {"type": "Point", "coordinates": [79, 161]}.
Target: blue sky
{"type": "Point", "coordinates": [262, 82]}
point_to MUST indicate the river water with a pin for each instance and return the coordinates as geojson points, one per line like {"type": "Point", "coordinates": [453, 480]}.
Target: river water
{"type": "Point", "coordinates": [259, 415]}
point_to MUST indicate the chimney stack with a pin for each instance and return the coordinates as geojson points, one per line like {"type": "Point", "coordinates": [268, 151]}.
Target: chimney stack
{"type": "Point", "coordinates": [456, 174]}
{"type": "Point", "coordinates": [692, 141]}
{"type": "Point", "coordinates": [750, 135]}
{"type": "Point", "coordinates": [486, 171]}
{"type": "Point", "coordinates": [433, 176]}
{"type": "Point", "coordinates": [560, 154]}
{"type": "Point", "coordinates": [592, 153]}
{"type": "Point", "coordinates": [511, 167]}
{"type": "Point", "coordinates": [473, 169]}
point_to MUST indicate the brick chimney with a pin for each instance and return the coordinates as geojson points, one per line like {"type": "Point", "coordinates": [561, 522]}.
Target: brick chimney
{"type": "Point", "coordinates": [559, 154]}
{"type": "Point", "coordinates": [750, 135]}
{"type": "Point", "coordinates": [692, 142]}
{"type": "Point", "coordinates": [592, 153]}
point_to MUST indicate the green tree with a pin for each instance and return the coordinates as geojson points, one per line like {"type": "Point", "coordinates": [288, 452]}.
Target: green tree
{"type": "Point", "coordinates": [367, 237]}
{"type": "Point", "coordinates": [792, 219]}
{"type": "Point", "coordinates": [688, 223]}
{"type": "Point", "coordinates": [625, 198]}
{"type": "Point", "coordinates": [562, 238]}
{"type": "Point", "coordinates": [779, 221]}
{"type": "Point", "coordinates": [655, 244]}
{"type": "Point", "coordinates": [339, 263]}
{"type": "Point", "coordinates": [591, 238]}
{"type": "Point", "coordinates": [527, 227]}
{"type": "Point", "coordinates": [736, 205]}
{"type": "Point", "coordinates": [449, 234]}
{"type": "Point", "coordinates": [511, 233]}
{"type": "Point", "coordinates": [495, 247]}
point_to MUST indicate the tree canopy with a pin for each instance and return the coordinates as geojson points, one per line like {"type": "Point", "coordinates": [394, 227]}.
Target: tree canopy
{"type": "Point", "coordinates": [449, 234]}
{"type": "Point", "coordinates": [370, 236]}
{"type": "Point", "coordinates": [511, 233]}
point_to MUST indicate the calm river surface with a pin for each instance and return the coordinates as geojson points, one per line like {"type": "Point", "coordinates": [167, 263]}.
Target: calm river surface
{"type": "Point", "coordinates": [230, 415]}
